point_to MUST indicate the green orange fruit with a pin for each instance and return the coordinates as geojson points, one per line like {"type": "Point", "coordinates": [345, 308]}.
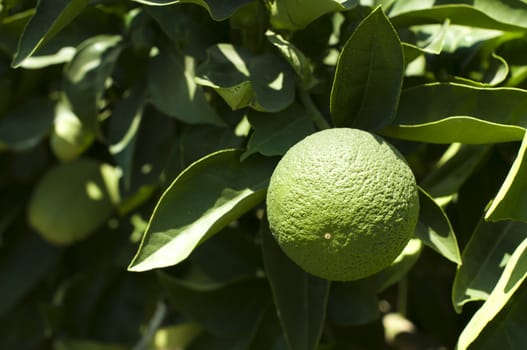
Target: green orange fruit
{"type": "Point", "coordinates": [342, 204]}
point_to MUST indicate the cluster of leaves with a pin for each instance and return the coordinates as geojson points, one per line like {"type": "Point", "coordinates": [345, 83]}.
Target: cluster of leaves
{"type": "Point", "coordinates": [141, 135]}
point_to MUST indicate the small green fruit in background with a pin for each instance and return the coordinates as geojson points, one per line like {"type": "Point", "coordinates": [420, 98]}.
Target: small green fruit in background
{"type": "Point", "coordinates": [72, 200]}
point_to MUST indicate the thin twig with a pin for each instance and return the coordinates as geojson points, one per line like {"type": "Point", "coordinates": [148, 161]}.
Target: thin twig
{"type": "Point", "coordinates": [315, 115]}
{"type": "Point", "coordinates": [153, 325]}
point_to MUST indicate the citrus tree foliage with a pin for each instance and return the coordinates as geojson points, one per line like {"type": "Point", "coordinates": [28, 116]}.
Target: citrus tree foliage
{"type": "Point", "coordinates": [137, 139]}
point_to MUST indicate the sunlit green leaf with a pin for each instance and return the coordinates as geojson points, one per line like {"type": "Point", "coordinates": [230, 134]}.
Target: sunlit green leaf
{"type": "Point", "coordinates": [295, 15]}
{"type": "Point", "coordinates": [85, 77]}
{"type": "Point", "coordinates": [435, 230]}
{"type": "Point", "coordinates": [507, 11]}
{"type": "Point", "coordinates": [295, 57]}
{"type": "Point", "coordinates": [203, 199]}
{"type": "Point", "coordinates": [218, 9]}
{"type": "Point", "coordinates": [449, 113]}
{"type": "Point", "coordinates": [429, 41]}
{"type": "Point", "coordinates": [511, 279]}
{"type": "Point", "coordinates": [507, 327]}
{"type": "Point", "coordinates": [511, 200]}
{"type": "Point", "coordinates": [299, 297]}
{"type": "Point", "coordinates": [370, 69]}
{"type": "Point", "coordinates": [36, 62]}
{"type": "Point", "coordinates": [48, 20]}
{"type": "Point", "coordinates": [497, 72]}
{"type": "Point", "coordinates": [484, 258]}
{"type": "Point", "coordinates": [461, 14]}
{"type": "Point", "coordinates": [69, 138]}
{"type": "Point", "coordinates": [462, 129]}
{"type": "Point", "coordinates": [264, 82]}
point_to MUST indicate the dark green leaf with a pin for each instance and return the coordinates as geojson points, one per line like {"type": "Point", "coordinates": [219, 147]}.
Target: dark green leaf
{"type": "Point", "coordinates": [12, 29]}
{"type": "Point", "coordinates": [369, 70]}
{"type": "Point", "coordinates": [223, 309]}
{"type": "Point", "coordinates": [198, 141]}
{"type": "Point", "coordinates": [489, 247]}
{"type": "Point", "coordinates": [302, 66]}
{"type": "Point", "coordinates": [173, 90]}
{"type": "Point", "coordinates": [229, 255]}
{"type": "Point", "coordinates": [264, 82]}
{"type": "Point", "coordinates": [459, 14]}
{"type": "Point", "coordinates": [48, 20]}
{"type": "Point", "coordinates": [434, 228]}
{"type": "Point", "coordinates": [76, 344]}
{"type": "Point", "coordinates": [268, 335]}
{"type": "Point", "coordinates": [123, 128]}
{"type": "Point", "coordinates": [449, 113]}
{"type": "Point", "coordinates": [24, 327]}
{"type": "Point", "coordinates": [511, 200]}
{"type": "Point", "coordinates": [299, 297]}
{"type": "Point", "coordinates": [191, 31]}
{"type": "Point", "coordinates": [208, 341]}
{"type": "Point", "coordinates": [123, 307]}
{"type": "Point", "coordinates": [399, 267]}
{"type": "Point", "coordinates": [353, 303]}
{"type": "Point", "coordinates": [25, 127]}
{"type": "Point", "coordinates": [22, 266]}
{"type": "Point", "coordinates": [511, 279]}
{"type": "Point", "coordinates": [72, 200]}
{"type": "Point", "coordinates": [61, 48]}
{"type": "Point", "coordinates": [203, 199]}
{"type": "Point", "coordinates": [456, 165]}
{"type": "Point", "coordinates": [295, 15]}
{"type": "Point", "coordinates": [143, 160]}
{"type": "Point", "coordinates": [411, 52]}
{"type": "Point", "coordinates": [218, 9]}
{"type": "Point", "coordinates": [275, 133]}
{"type": "Point", "coordinates": [86, 75]}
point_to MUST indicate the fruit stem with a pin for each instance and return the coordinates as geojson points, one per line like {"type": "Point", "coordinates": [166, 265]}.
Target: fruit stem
{"type": "Point", "coordinates": [312, 110]}
{"type": "Point", "coordinates": [402, 296]}
{"type": "Point", "coordinates": [155, 322]}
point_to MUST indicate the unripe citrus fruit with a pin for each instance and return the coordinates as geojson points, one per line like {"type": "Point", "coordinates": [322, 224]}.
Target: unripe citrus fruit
{"type": "Point", "coordinates": [342, 203]}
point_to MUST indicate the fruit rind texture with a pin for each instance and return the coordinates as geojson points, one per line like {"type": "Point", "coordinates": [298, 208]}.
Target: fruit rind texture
{"type": "Point", "coordinates": [342, 204]}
